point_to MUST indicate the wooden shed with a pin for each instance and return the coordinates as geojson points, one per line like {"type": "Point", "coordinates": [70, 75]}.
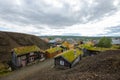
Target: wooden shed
{"type": "Point", "coordinates": [68, 58]}
{"type": "Point", "coordinates": [50, 53]}
{"type": "Point", "coordinates": [90, 50]}
{"type": "Point", "coordinates": [22, 56]}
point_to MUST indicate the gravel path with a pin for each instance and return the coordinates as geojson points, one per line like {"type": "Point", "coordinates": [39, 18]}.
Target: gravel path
{"type": "Point", "coordinates": [29, 70]}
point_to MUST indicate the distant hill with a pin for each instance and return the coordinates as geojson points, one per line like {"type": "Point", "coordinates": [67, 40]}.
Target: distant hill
{"type": "Point", "coordinates": [10, 40]}
{"type": "Point", "coordinates": [78, 37]}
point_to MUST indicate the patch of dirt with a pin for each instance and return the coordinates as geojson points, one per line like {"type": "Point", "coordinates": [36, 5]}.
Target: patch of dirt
{"type": "Point", "coordinates": [29, 70]}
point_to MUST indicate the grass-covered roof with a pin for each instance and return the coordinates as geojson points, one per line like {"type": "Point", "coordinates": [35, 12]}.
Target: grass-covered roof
{"type": "Point", "coordinates": [52, 50]}
{"type": "Point", "coordinates": [93, 48]}
{"type": "Point", "coordinates": [26, 49]}
{"type": "Point", "coordinates": [66, 44]}
{"type": "Point", "coordinates": [70, 55]}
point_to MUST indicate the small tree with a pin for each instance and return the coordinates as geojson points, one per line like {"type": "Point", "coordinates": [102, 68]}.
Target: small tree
{"type": "Point", "coordinates": [105, 42]}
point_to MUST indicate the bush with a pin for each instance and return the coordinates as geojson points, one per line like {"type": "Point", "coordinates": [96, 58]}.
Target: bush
{"type": "Point", "coordinates": [105, 42]}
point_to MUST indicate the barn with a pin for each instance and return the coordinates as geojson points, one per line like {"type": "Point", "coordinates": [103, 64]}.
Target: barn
{"type": "Point", "coordinates": [68, 58]}
{"type": "Point", "coordinates": [22, 56]}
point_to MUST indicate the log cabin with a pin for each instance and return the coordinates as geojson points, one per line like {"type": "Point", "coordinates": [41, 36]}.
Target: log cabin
{"type": "Point", "coordinates": [50, 53]}
{"type": "Point", "coordinates": [68, 58]}
{"type": "Point", "coordinates": [22, 56]}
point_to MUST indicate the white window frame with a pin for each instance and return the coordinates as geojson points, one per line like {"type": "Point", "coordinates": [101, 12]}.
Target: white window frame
{"type": "Point", "coordinates": [62, 62]}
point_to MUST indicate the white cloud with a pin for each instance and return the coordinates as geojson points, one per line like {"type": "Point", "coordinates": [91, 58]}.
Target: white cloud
{"type": "Point", "coordinates": [60, 17]}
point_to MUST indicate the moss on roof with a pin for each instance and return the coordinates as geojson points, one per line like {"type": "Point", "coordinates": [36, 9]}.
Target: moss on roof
{"type": "Point", "coordinates": [26, 49]}
{"type": "Point", "coordinates": [70, 55]}
{"type": "Point", "coordinates": [91, 47]}
{"type": "Point", "coordinates": [116, 46]}
{"type": "Point", "coordinates": [66, 44]}
{"type": "Point", "coordinates": [52, 50]}
{"type": "Point", "coordinates": [97, 49]}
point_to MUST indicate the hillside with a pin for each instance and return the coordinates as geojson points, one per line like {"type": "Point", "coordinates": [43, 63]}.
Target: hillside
{"type": "Point", "coordinates": [104, 66]}
{"type": "Point", "coordinates": [10, 40]}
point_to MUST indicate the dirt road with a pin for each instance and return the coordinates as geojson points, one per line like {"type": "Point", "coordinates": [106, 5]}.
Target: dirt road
{"type": "Point", "coordinates": [29, 70]}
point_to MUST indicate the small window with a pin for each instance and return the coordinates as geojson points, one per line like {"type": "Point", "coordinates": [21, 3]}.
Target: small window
{"type": "Point", "coordinates": [42, 55]}
{"type": "Point", "coordinates": [61, 62]}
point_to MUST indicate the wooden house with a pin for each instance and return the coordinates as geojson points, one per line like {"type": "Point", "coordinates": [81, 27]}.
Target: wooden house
{"type": "Point", "coordinates": [50, 53]}
{"type": "Point", "coordinates": [22, 56]}
{"type": "Point", "coordinates": [68, 58]}
{"type": "Point", "coordinates": [68, 45]}
{"type": "Point", "coordinates": [88, 49]}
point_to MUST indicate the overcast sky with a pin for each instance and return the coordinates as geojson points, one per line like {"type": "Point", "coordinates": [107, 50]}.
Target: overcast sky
{"type": "Point", "coordinates": [61, 17]}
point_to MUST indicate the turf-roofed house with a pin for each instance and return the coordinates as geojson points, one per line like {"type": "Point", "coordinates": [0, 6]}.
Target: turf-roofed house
{"type": "Point", "coordinates": [50, 53]}
{"type": "Point", "coordinates": [68, 58]}
{"type": "Point", "coordinates": [21, 56]}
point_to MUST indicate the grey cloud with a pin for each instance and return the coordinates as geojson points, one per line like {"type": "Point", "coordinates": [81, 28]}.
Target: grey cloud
{"type": "Point", "coordinates": [112, 31]}
{"type": "Point", "coordinates": [71, 34]}
{"type": "Point", "coordinates": [32, 12]}
{"type": "Point", "coordinates": [115, 29]}
{"type": "Point", "coordinates": [98, 9]}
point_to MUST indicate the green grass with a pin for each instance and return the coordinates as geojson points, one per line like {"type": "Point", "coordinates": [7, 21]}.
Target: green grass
{"type": "Point", "coordinates": [26, 49]}
{"type": "Point", "coordinates": [90, 47]}
{"type": "Point", "coordinates": [70, 54]}
{"type": "Point", "coordinates": [116, 46]}
{"type": "Point", "coordinates": [3, 69]}
{"type": "Point", "coordinates": [52, 50]}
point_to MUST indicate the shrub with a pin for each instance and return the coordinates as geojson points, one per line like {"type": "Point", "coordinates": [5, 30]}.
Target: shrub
{"type": "Point", "coordinates": [104, 42]}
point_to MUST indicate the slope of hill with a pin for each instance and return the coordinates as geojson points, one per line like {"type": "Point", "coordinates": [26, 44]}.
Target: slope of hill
{"type": "Point", "coordinates": [10, 40]}
{"type": "Point", "coordinates": [104, 66]}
